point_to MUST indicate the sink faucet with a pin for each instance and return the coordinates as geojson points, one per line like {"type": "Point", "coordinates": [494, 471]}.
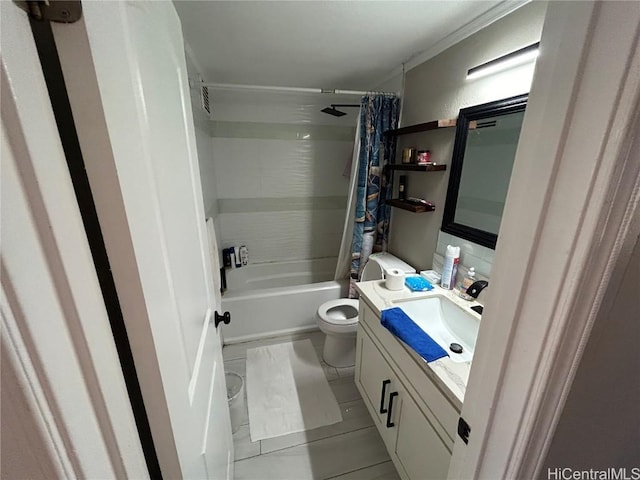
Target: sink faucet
{"type": "Point", "coordinates": [476, 287]}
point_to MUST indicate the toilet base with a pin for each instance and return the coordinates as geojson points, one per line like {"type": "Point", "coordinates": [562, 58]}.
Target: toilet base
{"type": "Point", "coordinates": [339, 351]}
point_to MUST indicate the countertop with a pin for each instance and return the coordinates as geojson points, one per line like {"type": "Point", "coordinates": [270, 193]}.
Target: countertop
{"type": "Point", "coordinates": [451, 377]}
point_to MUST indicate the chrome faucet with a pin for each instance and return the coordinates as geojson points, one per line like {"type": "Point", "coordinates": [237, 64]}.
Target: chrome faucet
{"type": "Point", "coordinates": [476, 287]}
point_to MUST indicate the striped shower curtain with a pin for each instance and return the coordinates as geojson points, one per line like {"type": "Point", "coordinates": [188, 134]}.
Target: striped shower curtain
{"type": "Point", "coordinates": [378, 113]}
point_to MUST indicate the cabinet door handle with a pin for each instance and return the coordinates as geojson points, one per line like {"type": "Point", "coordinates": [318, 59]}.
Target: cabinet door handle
{"type": "Point", "coordinates": [384, 387]}
{"type": "Point", "coordinates": [389, 413]}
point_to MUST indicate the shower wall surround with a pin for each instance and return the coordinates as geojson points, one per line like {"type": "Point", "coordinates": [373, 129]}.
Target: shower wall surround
{"type": "Point", "coordinates": [279, 166]}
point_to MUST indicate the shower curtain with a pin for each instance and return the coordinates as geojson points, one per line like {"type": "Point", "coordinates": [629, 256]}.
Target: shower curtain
{"type": "Point", "coordinates": [378, 113]}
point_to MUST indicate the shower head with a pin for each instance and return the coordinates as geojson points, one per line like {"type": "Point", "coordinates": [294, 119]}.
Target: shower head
{"type": "Point", "coordinates": [337, 113]}
{"type": "Point", "coordinates": [333, 111]}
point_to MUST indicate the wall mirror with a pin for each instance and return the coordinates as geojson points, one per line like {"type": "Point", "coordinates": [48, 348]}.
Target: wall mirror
{"type": "Point", "coordinates": [483, 153]}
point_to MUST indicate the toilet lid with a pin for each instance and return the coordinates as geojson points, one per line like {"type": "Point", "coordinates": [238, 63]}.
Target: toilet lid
{"type": "Point", "coordinates": [343, 311]}
{"type": "Point", "coordinates": [378, 263]}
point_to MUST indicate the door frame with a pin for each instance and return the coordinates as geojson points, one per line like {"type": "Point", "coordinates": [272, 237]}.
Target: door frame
{"type": "Point", "coordinates": [540, 309]}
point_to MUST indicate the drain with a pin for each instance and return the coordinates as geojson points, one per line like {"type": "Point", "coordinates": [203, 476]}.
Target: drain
{"type": "Point", "coordinates": [455, 348]}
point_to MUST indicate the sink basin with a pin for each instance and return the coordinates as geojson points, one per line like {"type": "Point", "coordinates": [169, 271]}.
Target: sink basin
{"type": "Point", "coordinates": [445, 322]}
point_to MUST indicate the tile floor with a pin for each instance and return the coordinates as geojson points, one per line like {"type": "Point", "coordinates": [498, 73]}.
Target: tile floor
{"type": "Point", "coordinates": [349, 450]}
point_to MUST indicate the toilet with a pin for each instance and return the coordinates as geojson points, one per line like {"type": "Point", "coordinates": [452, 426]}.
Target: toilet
{"type": "Point", "coordinates": [338, 319]}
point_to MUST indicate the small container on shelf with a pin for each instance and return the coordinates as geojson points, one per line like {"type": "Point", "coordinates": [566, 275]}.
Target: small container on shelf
{"type": "Point", "coordinates": [244, 255]}
{"type": "Point", "coordinates": [402, 187]}
{"type": "Point", "coordinates": [424, 157]}
{"type": "Point", "coordinates": [238, 260]}
{"type": "Point", "coordinates": [226, 257]}
{"type": "Point", "coordinates": [408, 155]}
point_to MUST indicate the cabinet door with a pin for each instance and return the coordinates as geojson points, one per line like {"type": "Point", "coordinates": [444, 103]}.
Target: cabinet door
{"type": "Point", "coordinates": [379, 387]}
{"type": "Point", "coordinates": [421, 452]}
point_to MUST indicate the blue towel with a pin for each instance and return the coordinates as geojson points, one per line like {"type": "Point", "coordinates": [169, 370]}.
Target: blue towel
{"type": "Point", "coordinates": [399, 323]}
{"type": "Point", "coordinates": [418, 284]}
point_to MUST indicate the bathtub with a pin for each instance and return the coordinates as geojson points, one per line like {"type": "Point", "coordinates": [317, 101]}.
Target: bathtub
{"type": "Point", "coordinates": [272, 299]}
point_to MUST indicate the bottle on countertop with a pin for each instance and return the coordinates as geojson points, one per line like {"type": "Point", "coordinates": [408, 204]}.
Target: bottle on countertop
{"type": "Point", "coordinates": [465, 283]}
{"type": "Point", "coordinates": [450, 268]}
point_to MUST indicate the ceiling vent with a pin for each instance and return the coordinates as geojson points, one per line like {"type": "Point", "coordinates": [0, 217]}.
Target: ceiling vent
{"type": "Point", "coordinates": [204, 97]}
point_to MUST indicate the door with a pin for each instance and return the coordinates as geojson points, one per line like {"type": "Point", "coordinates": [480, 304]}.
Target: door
{"type": "Point", "coordinates": [378, 386]}
{"type": "Point", "coordinates": [126, 77]}
{"type": "Point", "coordinates": [419, 448]}
{"type": "Point", "coordinates": [65, 411]}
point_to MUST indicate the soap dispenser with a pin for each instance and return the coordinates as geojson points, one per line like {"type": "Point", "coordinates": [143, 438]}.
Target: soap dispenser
{"type": "Point", "coordinates": [466, 282]}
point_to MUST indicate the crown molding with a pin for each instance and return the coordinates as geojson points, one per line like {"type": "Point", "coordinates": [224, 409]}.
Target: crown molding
{"type": "Point", "coordinates": [482, 21]}
{"type": "Point", "coordinates": [492, 15]}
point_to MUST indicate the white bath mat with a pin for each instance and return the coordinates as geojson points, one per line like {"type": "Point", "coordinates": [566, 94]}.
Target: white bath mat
{"type": "Point", "coordinates": [287, 391]}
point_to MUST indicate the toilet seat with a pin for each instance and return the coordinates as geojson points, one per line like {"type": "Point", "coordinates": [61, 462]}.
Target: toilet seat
{"type": "Point", "coordinates": [331, 311]}
{"type": "Point", "coordinates": [338, 319]}
{"type": "Point", "coordinates": [339, 316]}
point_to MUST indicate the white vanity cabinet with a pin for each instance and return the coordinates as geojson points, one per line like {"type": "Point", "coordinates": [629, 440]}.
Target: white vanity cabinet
{"type": "Point", "coordinates": [416, 423]}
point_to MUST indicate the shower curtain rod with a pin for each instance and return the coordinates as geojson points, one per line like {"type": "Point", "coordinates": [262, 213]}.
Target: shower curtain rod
{"type": "Point", "coordinates": [231, 86]}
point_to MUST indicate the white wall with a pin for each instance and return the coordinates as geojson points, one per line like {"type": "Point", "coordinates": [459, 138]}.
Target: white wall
{"type": "Point", "coordinates": [279, 166]}
{"type": "Point", "coordinates": [438, 89]}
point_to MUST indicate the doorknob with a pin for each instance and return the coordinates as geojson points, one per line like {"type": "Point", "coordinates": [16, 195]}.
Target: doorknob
{"type": "Point", "coordinates": [225, 318]}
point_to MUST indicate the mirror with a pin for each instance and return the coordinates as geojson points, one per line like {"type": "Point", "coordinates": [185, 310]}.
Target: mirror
{"type": "Point", "coordinates": [485, 147]}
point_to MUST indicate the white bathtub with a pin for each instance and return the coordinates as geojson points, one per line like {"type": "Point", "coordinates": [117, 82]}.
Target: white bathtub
{"type": "Point", "coordinates": [278, 298]}
{"type": "Point", "coordinates": [281, 274]}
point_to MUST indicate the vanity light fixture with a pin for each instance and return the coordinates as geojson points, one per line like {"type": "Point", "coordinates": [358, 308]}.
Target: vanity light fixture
{"type": "Point", "coordinates": [509, 60]}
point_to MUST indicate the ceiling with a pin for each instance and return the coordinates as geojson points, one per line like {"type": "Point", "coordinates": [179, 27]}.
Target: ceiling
{"type": "Point", "coordinates": [353, 45]}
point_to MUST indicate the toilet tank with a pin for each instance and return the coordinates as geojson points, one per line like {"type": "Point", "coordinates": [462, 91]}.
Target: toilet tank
{"type": "Point", "coordinates": [378, 263]}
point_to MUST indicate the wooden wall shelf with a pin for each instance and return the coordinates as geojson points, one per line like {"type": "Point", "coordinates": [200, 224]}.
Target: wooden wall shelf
{"type": "Point", "coordinates": [413, 167]}
{"type": "Point", "coordinates": [411, 207]}
{"type": "Point", "coordinates": [422, 127]}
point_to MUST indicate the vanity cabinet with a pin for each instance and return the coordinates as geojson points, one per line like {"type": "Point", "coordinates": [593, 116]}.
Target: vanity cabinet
{"type": "Point", "coordinates": [417, 440]}
{"type": "Point", "coordinates": [379, 387]}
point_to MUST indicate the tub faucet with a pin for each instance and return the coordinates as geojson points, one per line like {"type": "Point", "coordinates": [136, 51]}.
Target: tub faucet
{"type": "Point", "coordinates": [476, 287]}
